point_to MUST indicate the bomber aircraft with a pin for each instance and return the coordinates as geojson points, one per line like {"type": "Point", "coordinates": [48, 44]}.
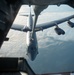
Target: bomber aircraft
{"type": "Point", "coordinates": [31, 39]}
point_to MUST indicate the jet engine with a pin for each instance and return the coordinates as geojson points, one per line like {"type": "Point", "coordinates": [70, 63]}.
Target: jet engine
{"type": "Point", "coordinates": [59, 31]}
{"type": "Point", "coordinates": [70, 24]}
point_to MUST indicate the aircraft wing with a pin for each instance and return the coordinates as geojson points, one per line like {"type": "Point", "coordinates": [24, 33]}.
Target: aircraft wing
{"type": "Point", "coordinates": [17, 27]}
{"type": "Point", "coordinates": [20, 27]}
{"type": "Point", "coordinates": [43, 26]}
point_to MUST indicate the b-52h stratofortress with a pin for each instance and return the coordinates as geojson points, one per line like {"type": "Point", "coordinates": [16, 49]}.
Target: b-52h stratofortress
{"type": "Point", "coordinates": [31, 39]}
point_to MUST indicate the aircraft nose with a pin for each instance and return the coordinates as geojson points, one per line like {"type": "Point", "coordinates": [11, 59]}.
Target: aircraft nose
{"type": "Point", "coordinates": [32, 58]}
{"type": "Point", "coordinates": [32, 53]}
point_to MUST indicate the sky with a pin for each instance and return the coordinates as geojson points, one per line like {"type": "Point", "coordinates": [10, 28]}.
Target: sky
{"type": "Point", "coordinates": [52, 8]}
{"type": "Point", "coordinates": [61, 8]}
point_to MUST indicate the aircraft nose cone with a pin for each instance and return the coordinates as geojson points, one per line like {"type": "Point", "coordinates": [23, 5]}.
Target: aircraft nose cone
{"type": "Point", "coordinates": [32, 56]}
{"type": "Point", "coordinates": [32, 52]}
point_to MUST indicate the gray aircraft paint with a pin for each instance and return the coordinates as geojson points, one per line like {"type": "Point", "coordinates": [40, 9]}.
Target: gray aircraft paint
{"type": "Point", "coordinates": [31, 40]}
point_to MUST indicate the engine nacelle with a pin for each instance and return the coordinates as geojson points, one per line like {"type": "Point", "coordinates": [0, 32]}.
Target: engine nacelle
{"type": "Point", "coordinates": [59, 31]}
{"type": "Point", "coordinates": [70, 24]}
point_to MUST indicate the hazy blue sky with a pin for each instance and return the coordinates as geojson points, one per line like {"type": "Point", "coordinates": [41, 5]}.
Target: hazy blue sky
{"type": "Point", "coordinates": [62, 8]}
{"type": "Point", "coordinates": [51, 8]}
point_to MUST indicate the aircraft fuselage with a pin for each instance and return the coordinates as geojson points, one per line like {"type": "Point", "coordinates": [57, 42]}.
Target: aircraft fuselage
{"type": "Point", "coordinates": [32, 46]}
{"type": "Point", "coordinates": [31, 40]}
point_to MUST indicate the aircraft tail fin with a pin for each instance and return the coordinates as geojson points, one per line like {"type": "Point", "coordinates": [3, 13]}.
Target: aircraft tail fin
{"type": "Point", "coordinates": [25, 14]}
